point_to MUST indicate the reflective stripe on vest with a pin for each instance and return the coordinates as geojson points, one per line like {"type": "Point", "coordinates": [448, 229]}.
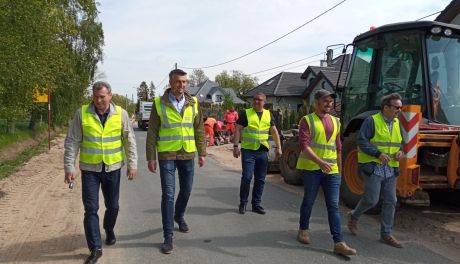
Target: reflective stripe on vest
{"type": "Point", "coordinates": [256, 133]}
{"type": "Point", "coordinates": [383, 141]}
{"type": "Point", "coordinates": [176, 131]}
{"type": "Point", "coordinates": [326, 150]}
{"type": "Point", "coordinates": [101, 143]}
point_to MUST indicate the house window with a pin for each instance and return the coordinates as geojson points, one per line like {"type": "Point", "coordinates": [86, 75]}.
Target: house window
{"type": "Point", "coordinates": [219, 98]}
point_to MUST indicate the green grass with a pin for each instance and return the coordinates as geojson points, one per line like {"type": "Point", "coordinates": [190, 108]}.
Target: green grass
{"type": "Point", "coordinates": [22, 133]}
{"type": "Point", "coordinates": [10, 166]}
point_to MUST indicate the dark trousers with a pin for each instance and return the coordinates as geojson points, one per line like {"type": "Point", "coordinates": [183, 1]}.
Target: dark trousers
{"type": "Point", "coordinates": [109, 182]}
{"type": "Point", "coordinates": [254, 162]}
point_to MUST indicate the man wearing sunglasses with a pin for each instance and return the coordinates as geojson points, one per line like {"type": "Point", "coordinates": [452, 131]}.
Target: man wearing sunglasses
{"type": "Point", "coordinates": [379, 151]}
{"type": "Point", "coordinates": [253, 127]}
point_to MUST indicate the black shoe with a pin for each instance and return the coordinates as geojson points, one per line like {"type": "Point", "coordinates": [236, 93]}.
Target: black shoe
{"type": "Point", "coordinates": [258, 209]}
{"type": "Point", "coordinates": [94, 256]}
{"type": "Point", "coordinates": [183, 227]}
{"type": "Point", "coordinates": [242, 209]}
{"type": "Point", "coordinates": [167, 246]}
{"type": "Point", "coordinates": [110, 238]}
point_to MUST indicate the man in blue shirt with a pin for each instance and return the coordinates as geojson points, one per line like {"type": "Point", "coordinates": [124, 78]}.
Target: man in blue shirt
{"type": "Point", "coordinates": [379, 151]}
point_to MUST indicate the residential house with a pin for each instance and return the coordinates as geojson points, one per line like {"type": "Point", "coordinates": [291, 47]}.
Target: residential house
{"type": "Point", "coordinates": [451, 14]}
{"type": "Point", "coordinates": [325, 77]}
{"type": "Point", "coordinates": [210, 92]}
{"type": "Point", "coordinates": [283, 91]}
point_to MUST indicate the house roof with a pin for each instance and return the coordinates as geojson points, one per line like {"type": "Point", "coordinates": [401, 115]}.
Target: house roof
{"type": "Point", "coordinates": [328, 76]}
{"type": "Point", "coordinates": [208, 88]}
{"type": "Point", "coordinates": [450, 12]}
{"type": "Point", "coordinates": [282, 84]}
{"type": "Point", "coordinates": [315, 70]}
{"type": "Point", "coordinates": [192, 90]}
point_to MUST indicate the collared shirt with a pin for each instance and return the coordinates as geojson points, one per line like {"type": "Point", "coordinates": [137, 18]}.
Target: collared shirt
{"type": "Point", "coordinates": [383, 169]}
{"type": "Point", "coordinates": [304, 133]}
{"type": "Point", "coordinates": [178, 104]}
{"type": "Point", "coordinates": [367, 132]}
{"type": "Point", "coordinates": [75, 136]}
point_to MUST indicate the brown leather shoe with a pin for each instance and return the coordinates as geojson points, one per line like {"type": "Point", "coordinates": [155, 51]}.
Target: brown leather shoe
{"type": "Point", "coordinates": [352, 224]}
{"type": "Point", "coordinates": [342, 248]}
{"type": "Point", "coordinates": [390, 240]}
{"type": "Point", "coordinates": [303, 236]}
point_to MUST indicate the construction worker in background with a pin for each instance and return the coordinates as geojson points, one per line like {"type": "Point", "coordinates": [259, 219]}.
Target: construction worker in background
{"type": "Point", "coordinates": [218, 132]}
{"type": "Point", "coordinates": [230, 118]}
{"type": "Point", "coordinates": [253, 129]}
{"type": "Point", "coordinates": [209, 125]}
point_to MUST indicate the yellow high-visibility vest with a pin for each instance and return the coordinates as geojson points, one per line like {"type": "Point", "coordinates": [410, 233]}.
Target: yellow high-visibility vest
{"type": "Point", "coordinates": [326, 150]}
{"type": "Point", "coordinates": [383, 141]}
{"type": "Point", "coordinates": [256, 133]}
{"type": "Point", "coordinates": [176, 131]}
{"type": "Point", "coordinates": [101, 143]}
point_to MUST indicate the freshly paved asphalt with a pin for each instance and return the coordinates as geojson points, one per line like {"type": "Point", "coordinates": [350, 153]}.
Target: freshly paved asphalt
{"type": "Point", "coordinates": [220, 235]}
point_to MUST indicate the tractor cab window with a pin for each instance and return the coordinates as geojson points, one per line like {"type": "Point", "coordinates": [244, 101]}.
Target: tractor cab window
{"type": "Point", "coordinates": [444, 77]}
{"type": "Point", "coordinates": [400, 69]}
{"type": "Point", "coordinates": [356, 99]}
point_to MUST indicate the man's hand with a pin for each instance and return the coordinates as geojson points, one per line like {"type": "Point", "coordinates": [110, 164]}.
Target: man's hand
{"type": "Point", "coordinates": [278, 153]}
{"type": "Point", "coordinates": [201, 160]}
{"type": "Point", "coordinates": [399, 155]}
{"type": "Point", "coordinates": [131, 173]}
{"type": "Point", "coordinates": [236, 152]}
{"type": "Point", "coordinates": [325, 167]}
{"type": "Point", "coordinates": [152, 165]}
{"type": "Point", "coordinates": [69, 177]}
{"type": "Point", "coordinates": [384, 158]}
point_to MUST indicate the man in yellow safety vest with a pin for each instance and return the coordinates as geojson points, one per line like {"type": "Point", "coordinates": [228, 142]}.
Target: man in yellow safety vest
{"type": "Point", "coordinates": [102, 132]}
{"type": "Point", "coordinates": [320, 164]}
{"type": "Point", "coordinates": [379, 151]}
{"type": "Point", "coordinates": [176, 132]}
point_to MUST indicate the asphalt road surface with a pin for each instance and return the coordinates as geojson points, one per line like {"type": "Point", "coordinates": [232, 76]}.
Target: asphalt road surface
{"type": "Point", "coordinates": [220, 235]}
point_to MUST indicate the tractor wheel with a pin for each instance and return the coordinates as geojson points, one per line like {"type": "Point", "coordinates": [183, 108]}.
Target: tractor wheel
{"type": "Point", "coordinates": [352, 186]}
{"type": "Point", "coordinates": [288, 163]}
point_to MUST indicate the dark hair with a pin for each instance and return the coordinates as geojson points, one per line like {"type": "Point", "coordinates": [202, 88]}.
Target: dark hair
{"type": "Point", "coordinates": [261, 94]}
{"type": "Point", "coordinates": [176, 72]}
{"type": "Point", "coordinates": [101, 84]}
{"type": "Point", "coordinates": [386, 100]}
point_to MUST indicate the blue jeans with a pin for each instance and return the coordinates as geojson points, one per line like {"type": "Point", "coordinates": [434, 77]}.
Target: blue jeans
{"type": "Point", "coordinates": [109, 182]}
{"type": "Point", "coordinates": [376, 187]}
{"type": "Point", "coordinates": [185, 169]}
{"type": "Point", "coordinates": [330, 184]}
{"type": "Point", "coordinates": [254, 162]}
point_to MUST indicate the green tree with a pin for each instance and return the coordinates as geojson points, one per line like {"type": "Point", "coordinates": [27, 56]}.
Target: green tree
{"type": "Point", "coordinates": [197, 77]}
{"type": "Point", "coordinates": [152, 89]}
{"type": "Point", "coordinates": [239, 81]}
{"type": "Point", "coordinates": [227, 101]}
{"type": "Point", "coordinates": [143, 92]}
{"type": "Point", "coordinates": [47, 45]}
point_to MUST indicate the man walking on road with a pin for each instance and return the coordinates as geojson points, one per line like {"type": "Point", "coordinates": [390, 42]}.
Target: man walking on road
{"type": "Point", "coordinates": [379, 151]}
{"type": "Point", "coordinates": [320, 164]}
{"type": "Point", "coordinates": [101, 131]}
{"type": "Point", "coordinates": [175, 132]}
{"type": "Point", "coordinates": [254, 124]}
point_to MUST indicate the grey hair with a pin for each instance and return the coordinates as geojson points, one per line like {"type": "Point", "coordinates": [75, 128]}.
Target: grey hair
{"type": "Point", "coordinates": [101, 84]}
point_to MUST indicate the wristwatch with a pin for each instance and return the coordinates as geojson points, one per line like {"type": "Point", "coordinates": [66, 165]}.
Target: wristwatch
{"type": "Point", "coordinates": [235, 146]}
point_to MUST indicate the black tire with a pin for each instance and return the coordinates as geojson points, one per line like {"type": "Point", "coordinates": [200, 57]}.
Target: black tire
{"type": "Point", "coordinates": [288, 162]}
{"type": "Point", "coordinates": [348, 197]}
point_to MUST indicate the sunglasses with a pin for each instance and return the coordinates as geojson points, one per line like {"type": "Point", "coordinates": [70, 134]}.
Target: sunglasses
{"type": "Point", "coordinates": [257, 99]}
{"type": "Point", "coordinates": [396, 107]}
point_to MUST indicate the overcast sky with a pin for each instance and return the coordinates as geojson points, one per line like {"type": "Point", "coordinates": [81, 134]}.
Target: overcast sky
{"type": "Point", "coordinates": [144, 39]}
